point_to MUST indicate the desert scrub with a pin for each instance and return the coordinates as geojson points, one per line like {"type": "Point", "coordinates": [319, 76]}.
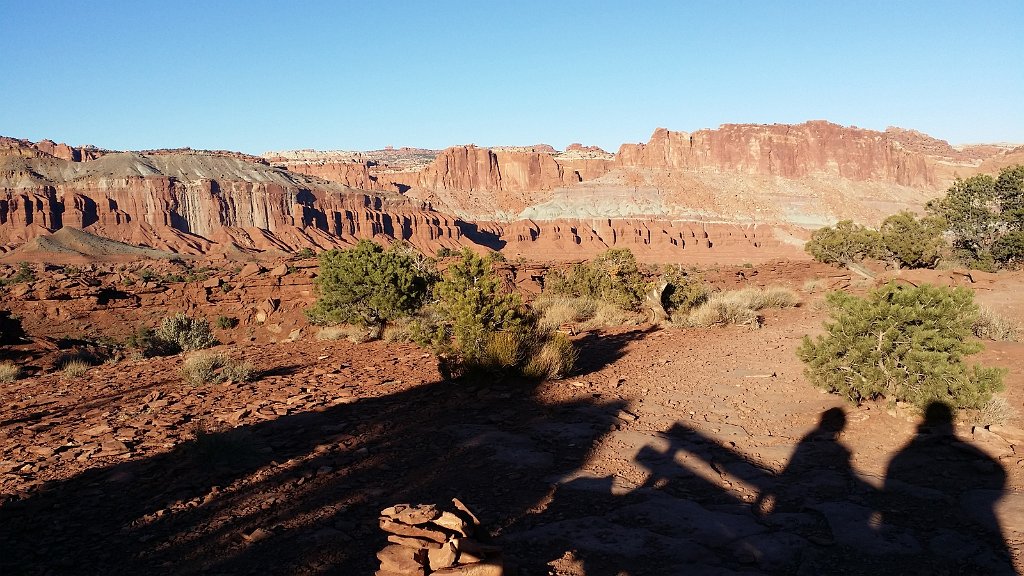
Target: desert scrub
{"type": "Point", "coordinates": [203, 368]}
{"type": "Point", "coordinates": [613, 277]}
{"type": "Point", "coordinates": [9, 371]}
{"type": "Point", "coordinates": [992, 326]}
{"type": "Point", "coordinates": [210, 368]}
{"type": "Point", "coordinates": [370, 286]}
{"type": "Point", "coordinates": [226, 322]}
{"type": "Point", "coordinates": [902, 344]}
{"type": "Point", "coordinates": [555, 358]}
{"type": "Point", "coordinates": [185, 333]}
{"type": "Point", "coordinates": [738, 307]}
{"type": "Point", "coordinates": [354, 334]}
{"type": "Point", "coordinates": [683, 290]}
{"type": "Point", "coordinates": [480, 330]}
{"type": "Point", "coordinates": [239, 371]}
{"type": "Point", "coordinates": [74, 369]}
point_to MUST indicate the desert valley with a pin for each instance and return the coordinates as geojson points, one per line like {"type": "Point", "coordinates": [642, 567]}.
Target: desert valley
{"type": "Point", "coordinates": [207, 369]}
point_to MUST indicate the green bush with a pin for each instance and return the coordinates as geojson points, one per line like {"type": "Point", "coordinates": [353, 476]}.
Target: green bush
{"type": "Point", "coordinates": [473, 305]}
{"type": "Point", "coordinates": [843, 243]}
{"type": "Point", "coordinates": [913, 242]}
{"type": "Point", "coordinates": [181, 333]}
{"type": "Point", "coordinates": [903, 344]}
{"type": "Point", "coordinates": [985, 217]}
{"type": "Point", "coordinates": [305, 253]}
{"type": "Point", "coordinates": [614, 277]}
{"type": "Point", "coordinates": [479, 329]}
{"type": "Point", "coordinates": [369, 286]}
{"type": "Point", "coordinates": [683, 291]}
{"type": "Point", "coordinates": [226, 322]}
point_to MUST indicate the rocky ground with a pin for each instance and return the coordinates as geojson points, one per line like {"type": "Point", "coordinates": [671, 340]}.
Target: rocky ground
{"type": "Point", "coordinates": [670, 451]}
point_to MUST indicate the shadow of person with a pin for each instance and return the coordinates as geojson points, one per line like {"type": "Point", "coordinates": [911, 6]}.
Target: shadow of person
{"type": "Point", "coordinates": [818, 471]}
{"type": "Point", "coordinates": [945, 492]}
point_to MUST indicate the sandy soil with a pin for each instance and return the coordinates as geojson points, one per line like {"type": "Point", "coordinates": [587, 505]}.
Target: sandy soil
{"type": "Point", "coordinates": [670, 451]}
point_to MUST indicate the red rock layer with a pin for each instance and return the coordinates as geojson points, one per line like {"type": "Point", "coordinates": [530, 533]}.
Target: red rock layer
{"type": "Point", "coordinates": [191, 202]}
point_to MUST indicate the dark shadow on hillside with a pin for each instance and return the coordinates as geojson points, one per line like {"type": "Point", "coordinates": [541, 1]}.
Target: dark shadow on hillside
{"type": "Point", "coordinates": [600, 349]}
{"type": "Point", "coordinates": [301, 494]}
{"type": "Point", "coordinates": [481, 237]}
{"type": "Point", "coordinates": [706, 507]}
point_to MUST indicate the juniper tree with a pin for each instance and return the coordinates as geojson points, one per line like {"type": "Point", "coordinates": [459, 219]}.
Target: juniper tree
{"type": "Point", "coordinates": [844, 243]}
{"type": "Point", "coordinates": [912, 242]}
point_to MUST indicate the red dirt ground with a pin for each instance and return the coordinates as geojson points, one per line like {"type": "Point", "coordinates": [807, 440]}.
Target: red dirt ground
{"type": "Point", "coordinates": [670, 451]}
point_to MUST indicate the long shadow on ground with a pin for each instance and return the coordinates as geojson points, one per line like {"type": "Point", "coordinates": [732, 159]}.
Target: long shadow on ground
{"type": "Point", "coordinates": [301, 494]}
{"type": "Point", "coordinates": [707, 508]}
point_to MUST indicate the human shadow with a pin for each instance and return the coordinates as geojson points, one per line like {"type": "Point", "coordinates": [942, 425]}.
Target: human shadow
{"type": "Point", "coordinates": [950, 487]}
{"type": "Point", "coordinates": [707, 506]}
{"type": "Point", "coordinates": [301, 493]}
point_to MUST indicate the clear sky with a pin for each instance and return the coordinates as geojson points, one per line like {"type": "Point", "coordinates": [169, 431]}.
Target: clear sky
{"type": "Point", "coordinates": [256, 76]}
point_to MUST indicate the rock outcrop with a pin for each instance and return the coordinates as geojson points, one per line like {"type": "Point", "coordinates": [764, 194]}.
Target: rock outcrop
{"type": "Point", "coordinates": [185, 201]}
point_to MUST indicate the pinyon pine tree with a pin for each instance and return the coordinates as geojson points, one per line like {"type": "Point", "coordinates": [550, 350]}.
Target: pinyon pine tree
{"type": "Point", "coordinates": [904, 344]}
{"type": "Point", "coordinates": [368, 285]}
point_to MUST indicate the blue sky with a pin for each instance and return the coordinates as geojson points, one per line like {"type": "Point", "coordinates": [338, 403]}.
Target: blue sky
{"type": "Point", "coordinates": [257, 76]}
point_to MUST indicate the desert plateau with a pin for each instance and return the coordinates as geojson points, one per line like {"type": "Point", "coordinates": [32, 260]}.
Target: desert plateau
{"type": "Point", "coordinates": [524, 288]}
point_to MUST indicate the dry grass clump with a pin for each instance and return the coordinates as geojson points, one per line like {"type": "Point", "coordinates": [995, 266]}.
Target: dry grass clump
{"type": "Point", "coordinates": [74, 369]}
{"type": "Point", "coordinates": [9, 371]}
{"type": "Point", "coordinates": [203, 368]}
{"type": "Point", "coordinates": [555, 358]}
{"type": "Point", "coordinates": [583, 312]}
{"type": "Point", "coordinates": [738, 306]}
{"type": "Point", "coordinates": [996, 412]}
{"type": "Point", "coordinates": [239, 372]}
{"type": "Point", "coordinates": [212, 367]}
{"type": "Point", "coordinates": [401, 330]}
{"type": "Point", "coordinates": [352, 333]}
{"type": "Point", "coordinates": [993, 326]}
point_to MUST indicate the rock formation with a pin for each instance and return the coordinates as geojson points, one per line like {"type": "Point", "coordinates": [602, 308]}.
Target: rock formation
{"type": "Point", "coordinates": [189, 202]}
{"type": "Point", "coordinates": [740, 192]}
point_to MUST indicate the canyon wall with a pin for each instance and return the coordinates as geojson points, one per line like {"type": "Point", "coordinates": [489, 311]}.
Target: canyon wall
{"type": "Point", "coordinates": [198, 202]}
{"type": "Point", "coordinates": [737, 193]}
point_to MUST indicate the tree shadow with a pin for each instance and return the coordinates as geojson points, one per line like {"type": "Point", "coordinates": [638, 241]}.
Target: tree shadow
{"type": "Point", "coordinates": [301, 493]}
{"type": "Point", "coordinates": [599, 349]}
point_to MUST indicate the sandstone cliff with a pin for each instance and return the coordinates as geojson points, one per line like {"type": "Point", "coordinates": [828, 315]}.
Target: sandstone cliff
{"type": "Point", "coordinates": [193, 202]}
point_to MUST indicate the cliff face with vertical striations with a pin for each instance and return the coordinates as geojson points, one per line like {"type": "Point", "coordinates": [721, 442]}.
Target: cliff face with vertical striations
{"type": "Point", "coordinates": [195, 202]}
{"type": "Point", "coordinates": [739, 192]}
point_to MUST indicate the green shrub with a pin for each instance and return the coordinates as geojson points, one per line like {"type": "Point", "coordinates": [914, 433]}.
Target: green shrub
{"type": "Point", "coordinates": [912, 242]}
{"type": "Point", "coordinates": [305, 253]}
{"type": "Point", "coordinates": [683, 290]}
{"type": "Point", "coordinates": [614, 277]}
{"type": "Point", "coordinates": [472, 305]}
{"type": "Point", "coordinates": [985, 217]}
{"type": "Point", "coordinates": [183, 334]}
{"type": "Point", "coordinates": [844, 243]}
{"type": "Point", "coordinates": [226, 322]}
{"type": "Point", "coordinates": [369, 286]}
{"type": "Point", "coordinates": [479, 329]}
{"type": "Point", "coordinates": [903, 344]}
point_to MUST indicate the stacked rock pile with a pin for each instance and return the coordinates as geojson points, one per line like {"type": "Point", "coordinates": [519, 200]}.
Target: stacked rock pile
{"type": "Point", "coordinates": [427, 540]}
